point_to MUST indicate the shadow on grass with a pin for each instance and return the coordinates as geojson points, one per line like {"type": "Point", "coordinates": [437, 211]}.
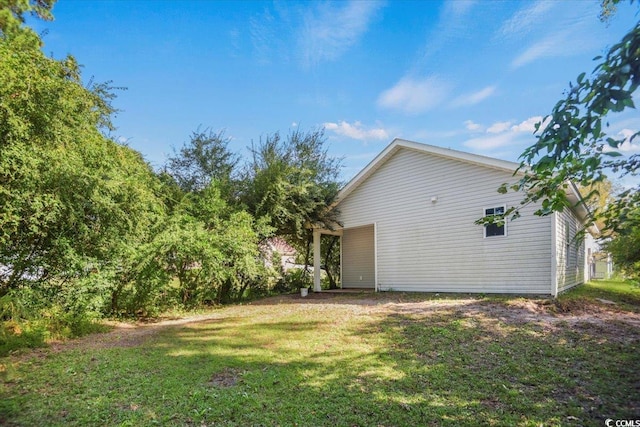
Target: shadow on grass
{"type": "Point", "coordinates": [441, 367]}
{"type": "Point", "coordinates": [364, 298]}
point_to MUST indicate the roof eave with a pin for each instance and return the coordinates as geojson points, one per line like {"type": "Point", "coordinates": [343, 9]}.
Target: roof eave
{"type": "Point", "coordinates": [580, 208]}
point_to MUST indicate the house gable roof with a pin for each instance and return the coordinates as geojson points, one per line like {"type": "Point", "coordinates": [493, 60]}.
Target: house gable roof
{"type": "Point", "coordinates": [399, 144]}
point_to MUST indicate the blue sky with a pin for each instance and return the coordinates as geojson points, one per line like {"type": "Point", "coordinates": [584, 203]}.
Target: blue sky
{"type": "Point", "coordinates": [468, 75]}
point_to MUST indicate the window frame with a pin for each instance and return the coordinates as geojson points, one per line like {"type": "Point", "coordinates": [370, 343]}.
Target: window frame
{"type": "Point", "coordinates": [504, 226]}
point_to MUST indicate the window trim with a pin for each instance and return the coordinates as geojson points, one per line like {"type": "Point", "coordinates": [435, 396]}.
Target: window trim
{"type": "Point", "coordinates": [484, 228]}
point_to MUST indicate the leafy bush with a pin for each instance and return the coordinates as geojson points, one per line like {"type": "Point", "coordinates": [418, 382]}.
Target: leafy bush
{"type": "Point", "coordinates": [29, 316]}
{"type": "Point", "coordinates": [625, 250]}
{"type": "Point", "coordinates": [15, 329]}
{"type": "Point", "coordinates": [16, 335]}
{"type": "Point", "coordinates": [294, 279]}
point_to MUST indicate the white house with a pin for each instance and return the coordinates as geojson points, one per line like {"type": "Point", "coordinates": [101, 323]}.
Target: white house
{"type": "Point", "coordinates": [407, 223]}
{"type": "Point", "coordinates": [286, 253]}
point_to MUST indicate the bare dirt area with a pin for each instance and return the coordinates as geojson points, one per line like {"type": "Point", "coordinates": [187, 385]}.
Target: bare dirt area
{"type": "Point", "coordinates": [123, 334]}
{"type": "Point", "coordinates": [545, 313]}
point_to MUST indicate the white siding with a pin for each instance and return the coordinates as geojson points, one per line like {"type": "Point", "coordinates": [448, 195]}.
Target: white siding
{"type": "Point", "coordinates": [435, 246]}
{"type": "Point", "coordinates": [591, 248]}
{"type": "Point", "coordinates": [358, 253]}
{"type": "Point", "coordinates": [570, 252]}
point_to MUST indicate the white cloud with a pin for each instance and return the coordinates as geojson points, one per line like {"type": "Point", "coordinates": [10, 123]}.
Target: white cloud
{"type": "Point", "coordinates": [525, 19]}
{"type": "Point", "coordinates": [472, 126]}
{"type": "Point", "coordinates": [629, 146]}
{"type": "Point", "coordinates": [321, 31]}
{"type": "Point", "coordinates": [498, 127]}
{"type": "Point", "coordinates": [415, 96]}
{"type": "Point", "coordinates": [294, 124]}
{"type": "Point", "coordinates": [356, 130]}
{"type": "Point", "coordinates": [528, 125]}
{"type": "Point", "coordinates": [567, 35]}
{"type": "Point", "coordinates": [504, 134]}
{"type": "Point", "coordinates": [550, 46]}
{"type": "Point", "coordinates": [329, 31]}
{"type": "Point", "coordinates": [474, 97]}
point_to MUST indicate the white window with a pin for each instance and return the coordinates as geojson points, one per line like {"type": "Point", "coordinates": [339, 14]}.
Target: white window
{"type": "Point", "coordinates": [492, 230]}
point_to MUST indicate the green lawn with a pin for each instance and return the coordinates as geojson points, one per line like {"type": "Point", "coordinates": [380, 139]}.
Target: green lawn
{"type": "Point", "coordinates": [347, 360]}
{"type": "Point", "coordinates": [623, 293]}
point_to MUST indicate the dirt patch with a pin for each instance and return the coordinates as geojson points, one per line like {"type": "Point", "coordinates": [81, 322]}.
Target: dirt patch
{"type": "Point", "coordinates": [228, 377]}
{"type": "Point", "coordinates": [123, 335]}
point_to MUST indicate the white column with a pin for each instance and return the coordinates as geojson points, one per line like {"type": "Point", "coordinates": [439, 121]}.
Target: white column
{"type": "Point", "coordinates": [316, 260]}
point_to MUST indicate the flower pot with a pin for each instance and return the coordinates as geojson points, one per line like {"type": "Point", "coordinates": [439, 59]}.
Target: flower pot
{"type": "Point", "coordinates": [304, 292]}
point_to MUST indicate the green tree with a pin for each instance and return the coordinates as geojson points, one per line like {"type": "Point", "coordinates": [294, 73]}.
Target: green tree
{"type": "Point", "coordinates": [71, 200]}
{"type": "Point", "coordinates": [204, 159]}
{"type": "Point", "coordinates": [12, 14]}
{"type": "Point", "coordinates": [625, 250]}
{"type": "Point", "coordinates": [209, 248]}
{"type": "Point", "coordinates": [292, 181]}
{"type": "Point", "coordinates": [572, 144]}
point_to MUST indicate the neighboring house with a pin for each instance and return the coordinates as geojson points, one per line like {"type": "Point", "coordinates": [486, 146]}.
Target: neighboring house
{"type": "Point", "coordinates": [601, 266]}
{"type": "Point", "coordinates": [407, 224]}
{"type": "Point", "coordinates": [286, 253]}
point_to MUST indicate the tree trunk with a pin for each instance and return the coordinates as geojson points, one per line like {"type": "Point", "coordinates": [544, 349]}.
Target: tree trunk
{"type": "Point", "coordinates": [115, 297]}
{"type": "Point", "coordinates": [242, 290]}
{"type": "Point", "coordinates": [224, 292]}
